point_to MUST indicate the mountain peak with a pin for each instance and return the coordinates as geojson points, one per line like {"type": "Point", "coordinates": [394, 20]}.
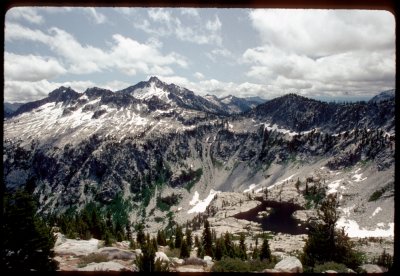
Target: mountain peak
{"type": "Point", "coordinates": [383, 96]}
{"type": "Point", "coordinates": [63, 93]}
{"type": "Point", "coordinates": [155, 80]}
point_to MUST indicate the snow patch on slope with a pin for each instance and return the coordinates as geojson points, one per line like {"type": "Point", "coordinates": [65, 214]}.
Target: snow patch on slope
{"type": "Point", "coordinates": [333, 186]}
{"type": "Point", "coordinates": [250, 188]}
{"type": "Point", "coordinates": [353, 230]}
{"type": "Point", "coordinates": [148, 92]}
{"type": "Point", "coordinates": [377, 210]}
{"type": "Point", "coordinates": [201, 205]}
{"type": "Point", "coordinates": [281, 182]}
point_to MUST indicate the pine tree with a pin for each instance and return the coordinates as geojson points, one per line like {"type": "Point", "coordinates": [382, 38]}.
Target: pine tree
{"type": "Point", "coordinates": [220, 250]}
{"type": "Point", "coordinates": [207, 239]}
{"type": "Point", "coordinates": [128, 232]}
{"type": "Point", "coordinates": [107, 238]}
{"type": "Point", "coordinates": [200, 251]}
{"type": "Point", "coordinates": [145, 261]}
{"type": "Point", "coordinates": [229, 245]}
{"type": "Point", "coordinates": [242, 247]}
{"type": "Point", "coordinates": [27, 241]}
{"type": "Point", "coordinates": [178, 236]}
{"type": "Point", "coordinates": [161, 240]}
{"type": "Point", "coordinates": [171, 243]}
{"type": "Point", "coordinates": [326, 244]}
{"type": "Point", "coordinates": [140, 237]}
{"type": "Point", "coordinates": [256, 251]}
{"type": "Point", "coordinates": [188, 237]}
{"type": "Point", "coordinates": [265, 253]}
{"type": "Point", "coordinates": [185, 253]}
{"type": "Point", "coordinates": [196, 241]}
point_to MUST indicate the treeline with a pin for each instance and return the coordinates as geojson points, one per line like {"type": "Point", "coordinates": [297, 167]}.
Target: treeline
{"type": "Point", "coordinates": [27, 239]}
{"type": "Point", "coordinates": [110, 223]}
{"type": "Point", "coordinates": [207, 245]}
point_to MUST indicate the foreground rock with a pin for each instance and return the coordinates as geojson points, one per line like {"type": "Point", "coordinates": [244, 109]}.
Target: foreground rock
{"type": "Point", "coordinates": [231, 225]}
{"type": "Point", "coordinates": [105, 266]}
{"type": "Point", "coordinates": [161, 256]}
{"type": "Point", "coordinates": [229, 204]}
{"type": "Point", "coordinates": [116, 253]}
{"type": "Point", "coordinates": [289, 264]}
{"type": "Point", "coordinates": [75, 247]}
{"type": "Point", "coordinates": [372, 268]}
{"type": "Point", "coordinates": [284, 245]}
{"type": "Point", "coordinates": [305, 215]}
{"type": "Point", "coordinates": [190, 268]}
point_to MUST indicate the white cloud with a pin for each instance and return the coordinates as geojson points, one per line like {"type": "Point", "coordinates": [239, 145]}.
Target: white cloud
{"type": "Point", "coordinates": [162, 22]}
{"type": "Point", "coordinates": [131, 56]}
{"type": "Point", "coordinates": [15, 31]}
{"type": "Point", "coordinates": [349, 71]}
{"type": "Point", "coordinates": [96, 16]}
{"type": "Point", "coordinates": [29, 14]}
{"type": "Point", "coordinates": [82, 59]}
{"type": "Point", "coordinates": [219, 52]}
{"type": "Point", "coordinates": [324, 32]}
{"type": "Point", "coordinates": [352, 54]}
{"type": "Point", "coordinates": [125, 54]}
{"type": "Point", "coordinates": [214, 25]}
{"type": "Point", "coordinates": [198, 75]}
{"type": "Point", "coordinates": [160, 15]}
{"type": "Point", "coordinates": [191, 12]}
{"type": "Point", "coordinates": [30, 67]}
{"type": "Point", "coordinates": [221, 89]}
{"type": "Point", "coordinates": [116, 85]}
{"type": "Point", "coordinates": [27, 91]}
{"type": "Point", "coordinates": [125, 11]}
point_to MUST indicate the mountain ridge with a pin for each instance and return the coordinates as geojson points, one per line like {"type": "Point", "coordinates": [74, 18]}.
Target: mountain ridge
{"type": "Point", "coordinates": [210, 103]}
{"type": "Point", "coordinates": [74, 148]}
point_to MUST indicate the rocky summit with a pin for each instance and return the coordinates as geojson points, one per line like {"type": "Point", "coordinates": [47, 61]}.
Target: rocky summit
{"type": "Point", "coordinates": [167, 155]}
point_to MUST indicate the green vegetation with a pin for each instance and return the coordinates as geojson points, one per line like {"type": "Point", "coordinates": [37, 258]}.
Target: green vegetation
{"type": "Point", "coordinates": [108, 222]}
{"type": "Point", "coordinates": [185, 253]}
{"type": "Point", "coordinates": [194, 177]}
{"type": "Point", "coordinates": [385, 260]}
{"type": "Point", "coordinates": [340, 268]}
{"type": "Point", "coordinates": [161, 205]}
{"type": "Point", "coordinates": [27, 241]}
{"type": "Point", "coordinates": [314, 194]}
{"type": "Point", "coordinates": [218, 164]}
{"type": "Point", "coordinates": [325, 244]}
{"type": "Point", "coordinates": [227, 264]}
{"type": "Point", "coordinates": [378, 193]}
{"type": "Point", "coordinates": [265, 253]}
{"type": "Point", "coordinates": [165, 203]}
{"type": "Point", "coordinates": [92, 258]}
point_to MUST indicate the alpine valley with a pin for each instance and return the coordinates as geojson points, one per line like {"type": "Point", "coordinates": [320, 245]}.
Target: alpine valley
{"type": "Point", "coordinates": [167, 156]}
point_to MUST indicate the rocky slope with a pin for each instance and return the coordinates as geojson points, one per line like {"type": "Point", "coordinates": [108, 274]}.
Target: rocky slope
{"type": "Point", "coordinates": [155, 143]}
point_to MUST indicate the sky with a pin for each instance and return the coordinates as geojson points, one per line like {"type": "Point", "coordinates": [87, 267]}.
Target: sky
{"type": "Point", "coordinates": [322, 54]}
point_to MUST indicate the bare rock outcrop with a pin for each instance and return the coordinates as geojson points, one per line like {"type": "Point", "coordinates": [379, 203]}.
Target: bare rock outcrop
{"type": "Point", "coordinates": [289, 264]}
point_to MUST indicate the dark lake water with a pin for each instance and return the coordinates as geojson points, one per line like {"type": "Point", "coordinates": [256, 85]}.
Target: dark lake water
{"type": "Point", "coordinates": [279, 220]}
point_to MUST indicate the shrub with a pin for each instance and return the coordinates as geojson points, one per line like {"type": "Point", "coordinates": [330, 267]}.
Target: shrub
{"type": "Point", "coordinates": [173, 252]}
{"type": "Point", "coordinates": [258, 265]}
{"type": "Point", "coordinates": [194, 261]}
{"type": "Point", "coordinates": [231, 265]}
{"type": "Point", "coordinates": [325, 244]}
{"type": "Point", "coordinates": [92, 258]}
{"type": "Point", "coordinates": [385, 260]}
{"type": "Point", "coordinates": [376, 195]}
{"type": "Point", "coordinates": [341, 268]}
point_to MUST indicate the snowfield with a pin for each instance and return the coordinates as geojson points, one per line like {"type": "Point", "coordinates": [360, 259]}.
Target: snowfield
{"type": "Point", "coordinates": [353, 230]}
{"type": "Point", "coordinates": [201, 205]}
